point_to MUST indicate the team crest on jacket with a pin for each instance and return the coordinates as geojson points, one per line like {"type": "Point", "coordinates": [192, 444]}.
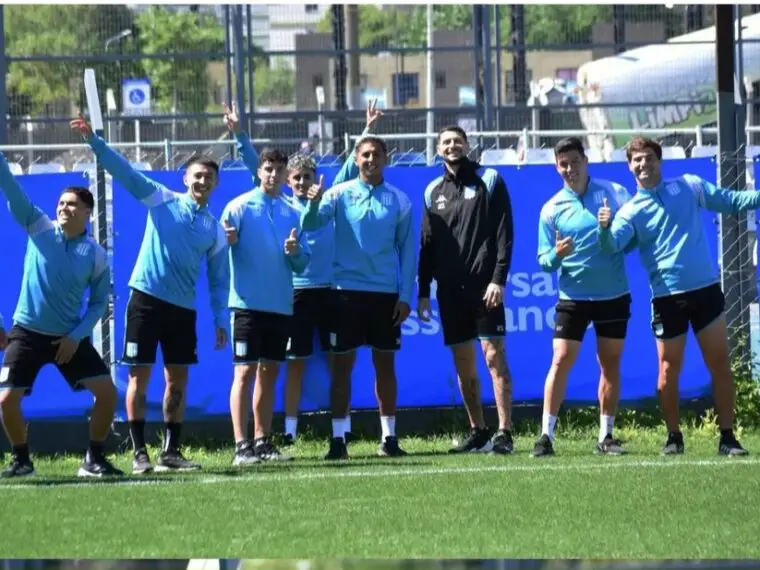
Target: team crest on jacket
{"type": "Point", "coordinates": [673, 189]}
{"type": "Point", "coordinates": [469, 192]}
{"type": "Point", "coordinates": [207, 222]}
{"type": "Point", "coordinates": [387, 200]}
{"type": "Point", "coordinates": [284, 210]}
{"type": "Point", "coordinates": [82, 249]}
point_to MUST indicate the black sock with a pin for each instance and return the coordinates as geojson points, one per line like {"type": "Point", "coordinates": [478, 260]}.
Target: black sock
{"type": "Point", "coordinates": [726, 434]}
{"type": "Point", "coordinates": [137, 433]}
{"type": "Point", "coordinates": [21, 453]}
{"type": "Point", "coordinates": [95, 451]}
{"type": "Point", "coordinates": [171, 439]}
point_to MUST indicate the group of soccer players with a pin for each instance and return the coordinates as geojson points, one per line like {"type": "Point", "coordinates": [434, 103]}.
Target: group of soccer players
{"type": "Point", "coordinates": [342, 263]}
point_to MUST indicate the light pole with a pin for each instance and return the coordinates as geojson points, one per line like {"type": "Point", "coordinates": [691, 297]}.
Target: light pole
{"type": "Point", "coordinates": [125, 33]}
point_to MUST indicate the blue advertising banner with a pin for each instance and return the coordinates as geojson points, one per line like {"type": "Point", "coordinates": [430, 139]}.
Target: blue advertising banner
{"type": "Point", "coordinates": [425, 368]}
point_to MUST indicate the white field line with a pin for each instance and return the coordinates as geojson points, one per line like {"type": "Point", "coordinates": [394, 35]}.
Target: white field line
{"type": "Point", "coordinates": [251, 476]}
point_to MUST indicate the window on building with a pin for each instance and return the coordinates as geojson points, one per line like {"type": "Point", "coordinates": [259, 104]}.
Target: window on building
{"type": "Point", "coordinates": [406, 87]}
{"type": "Point", "coordinates": [440, 80]}
{"type": "Point", "coordinates": [567, 73]}
{"type": "Point", "coordinates": [311, 8]}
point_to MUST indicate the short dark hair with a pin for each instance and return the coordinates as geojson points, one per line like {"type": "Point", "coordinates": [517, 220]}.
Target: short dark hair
{"type": "Point", "coordinates": [84, 195]}
{"type": "Point", "coordinates": [454, 129]}
{"type": "Point", "coordinates": [637, 144]}
{"type": "Point", "coordinates": [568, 145]}
{"type": "Point", "coordinates": [375, 140]}
{"type": "Point", "coordinates": [203, 161]}
{"type": "Point", "coordinates": [273, 155]}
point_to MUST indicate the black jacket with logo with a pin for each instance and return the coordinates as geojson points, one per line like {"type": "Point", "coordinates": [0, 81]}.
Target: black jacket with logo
{"type": "Point", "coordinates": [467, 231]}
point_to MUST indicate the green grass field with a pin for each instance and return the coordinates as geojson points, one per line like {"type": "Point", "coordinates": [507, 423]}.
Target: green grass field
{"type": "Point", "coordinates": [429, 504]}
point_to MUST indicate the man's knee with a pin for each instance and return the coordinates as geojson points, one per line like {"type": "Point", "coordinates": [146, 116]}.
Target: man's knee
{"type": "Point", "coordinates": [495, 355]}
{"type": "Point", "coordinates": [10, 398]}
{"type": "Point", "coordinates": [102, 388]}
{"type": "Point", "coordinates": [564, 353]}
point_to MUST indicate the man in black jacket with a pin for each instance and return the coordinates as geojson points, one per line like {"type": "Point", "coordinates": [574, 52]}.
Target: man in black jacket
{"type": "Point", "coordinates": [466, 247]}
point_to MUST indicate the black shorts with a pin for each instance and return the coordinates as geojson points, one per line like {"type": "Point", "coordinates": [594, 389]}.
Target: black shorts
{"type": "Point", "coordinates": [150, 322]}
{"type": "Point", "coordinates": [672, 315]}
{"type": "Point", "coordinates": [610, 318]}
{"type": "Point", "coordinates": [28, 351]}
{"type": "Point", "coordinates": [259, 336]}
{"type": "Point", "coordinates": [363, 318]}
{"type": "Point", "coordinates": [465, 317]}
{"type": "Point", "coordinates": [312, 311]}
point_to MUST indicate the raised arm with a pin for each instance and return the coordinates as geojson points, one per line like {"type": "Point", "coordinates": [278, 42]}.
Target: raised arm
{"type": "Point", "coordinates": [715, 199]}
{"type": "Point", "coordinates": [619, 233]}
{"type": "Point", "coordinates": [218, 272]}
{"type": "Point", "coordinates": [148, 191]}
{"type": "Point", "coordinates": [100, 287]}
{"type": "Point", "coordinates": [320, 210]}
{"type": "Point", "coordinates": [502, 229]}
{"type": "Point", "coordinates": [243, 144]}
{"type": "Point", "coordinates": [547, 251]}
{"type": "Point", "coordinates": [23, 210]}
{"type": "Point", "coordinates": [406, 249]}
{"type": "Point", "coordinates": [349, 170]}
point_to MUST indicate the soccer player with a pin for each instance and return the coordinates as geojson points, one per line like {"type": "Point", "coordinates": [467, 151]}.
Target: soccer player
{"type": "Point", "coordinates": [263, 228]}
{"type": "Point", "coordinates": [663, 220]}
{"type": "Point", "coordinates": [312, 301]}
{"type": "Point", "coordinates": [61, 263]}
{"type": "Point", "coordinates": [593, 288]}
{"type": "Point", "coordinates": [179, 234]}
{"type": "Point", "coordinates": [374, 267]}
{"type": "Point", "coordinates": [466, 246]}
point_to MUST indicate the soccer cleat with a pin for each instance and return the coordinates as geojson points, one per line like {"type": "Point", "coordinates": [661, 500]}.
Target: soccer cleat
{"type": "Point", "coordinates": [18, 468]}
{"type": "Point", "coordinates": [287, 440]}
{"type": "Point", "coordinates": [173, 460]}
{"type": "Point", "coordinates": [674, 445]}
{"type": "Point", "coordinates": [337, 451]}
{"type": "Point", "coordinates": [609, 446]}
{"type": "Point", "coordinates": [478, 440]}
{"type": "Point", "coordinates": [543, 447]}
{"type": "Point", "coordinates": [265, 451]}
{"type": "Point", "coordinates": [244, 455]}
{"type": "Point", "coordinates": [730, 447]}
{"type": "Point", "coordinates": [350, 437]}
{"type": "Point", "coordinates": [141, 462]}
{"type": "Point", "coordinates": [98, 467]}
{"type": "Point", "coordinates": [390, 448]}
{"type": "Point", "coordinates": [502, 443]}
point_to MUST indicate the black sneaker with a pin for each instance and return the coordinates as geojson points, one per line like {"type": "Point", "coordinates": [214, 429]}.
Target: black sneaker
{"type": "Point", "coordinates": [731, 447]}
{"type": "Point", "coordinates": [390, 448]}
{"type": "Point", "coordinates": [265, 451]}
{"type": "Point", "coordinates": [98, 467]}
{"type": "Point", "coordinates": [478, 440]}
{"type": "Point", "coordinates": [610, 446]}
{"type": "Point", "coordinates": [337, 451]}
{"type": "Point", "coordinates": [543, 447]}
{"type": "Point", "coordinates": [173, 460]}
{"type": "Point", "coordinates": [287, 440]}
{"type": "Point", "coordinates": [350, 437]}
{"type": "Point", "coordinates": [502, 443]}
{"type": "Point", "coordinates": [18, 469]}
{"type": "Point", "coordinates": [141, 462]}
{"type": "Point", "coordinates": [674, 445]}
{"type": "Point", "coordinates": [244, 455]}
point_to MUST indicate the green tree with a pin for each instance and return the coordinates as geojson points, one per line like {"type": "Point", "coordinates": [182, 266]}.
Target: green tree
{"type": "Point", "coordinates": [274, 82]}
{"type": "Point", "coordinates": [185, 82]}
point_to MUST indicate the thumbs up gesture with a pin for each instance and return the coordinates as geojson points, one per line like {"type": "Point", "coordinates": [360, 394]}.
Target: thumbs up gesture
{"type": "Point", "coordinates": [231, 233]}
{"type": "Point", "coordinates": [316, 190]}
{"type": "Point", "coordinates": [291, 244]}
{"type": "Point", "coordinates": [604, 215]}
{"type": "Point", "coordinates": [563, 247]}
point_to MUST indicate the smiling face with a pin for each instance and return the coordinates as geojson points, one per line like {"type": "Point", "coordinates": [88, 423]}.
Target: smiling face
{"type": "Point", "coordinates": [72, 213]}
{"type": "Point", "coordinates": [452, 147]}
{"type": "Point", "coordinates": [371, 158]}
{"type": "Point", "coordinates": [200, 180]}
{"type": "Point", "coordinates": [300, 180]}
{"type": "Point", "coordinates": [646, 167]}
{"type": "Point", "coordinates": [572, 166]}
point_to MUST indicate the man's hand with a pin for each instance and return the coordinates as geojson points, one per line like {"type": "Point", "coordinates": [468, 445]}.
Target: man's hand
{"type": "Point", "coordinates": [373, 113]}
{"type": "Point", "coordinates": [291, 244]}
{"type": "Point", "coordinates": [604, 215]}
{"type": "Point", "coordinates": [3, 339]}
{"type": "Point", "coordinates": [400, 313]}
{"type": "Point", "coordinates": [221, 338]}
{"type": "Point", "coordinates": [423, 309]}
{"type": "Point", "coordinates": [231, 233]}
{"type": "Point", "coordinates": [81, 126]}
{"type": "Point", "coordinates": [67, 346]}
{"type": "Point", "coordinates": [314, 194]}
{"type": "Point", "coordinates": [494, 295]}
{"type": "Point", "coordinates": [231, 118]}
{"type": "Point", "coordinates": [563, 247]}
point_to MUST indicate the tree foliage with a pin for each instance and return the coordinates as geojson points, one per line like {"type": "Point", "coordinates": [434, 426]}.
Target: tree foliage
{"type": "Point", "coordinates": [274, 83]}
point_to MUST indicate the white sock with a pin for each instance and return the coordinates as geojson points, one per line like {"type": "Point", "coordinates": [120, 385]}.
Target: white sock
{"type": "Point", "coordinates": [339, 428]}
{"type": "Point", "coordinates": [547, 425]}
{"type": "Point", "coordinates": [388, 425]}
{"type": "Point", "coordinates": [348, 422]}
{"type": "Point", "coordinates": [291, 426]}
{"type": "Point", "coordinates": [606, 424]}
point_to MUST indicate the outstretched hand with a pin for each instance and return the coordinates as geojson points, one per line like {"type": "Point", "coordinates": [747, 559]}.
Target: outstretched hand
{"type": "Point", "coordinates": [231, 118]}
{"type": "Point", "coordinates": [373, 113]}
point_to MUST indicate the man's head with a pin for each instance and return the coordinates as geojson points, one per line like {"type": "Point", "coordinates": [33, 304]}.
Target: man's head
{"type": "Point", "coordinates": [271, 171]}
{"type": "Point", "coordinates": [74, 209]}
{"type": "Point", "coordinates": [302, 172]}
{"type": "Point", "coordinates": [201, 177]}
{"type": "Point", "coordinates": [644, 160]}
{"type": "Point", "coordinates": [371, 158]}
{"type": "Point", "coordinates": [452, 144]}
{"type": "Point", "coordinates": [572, 163]}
